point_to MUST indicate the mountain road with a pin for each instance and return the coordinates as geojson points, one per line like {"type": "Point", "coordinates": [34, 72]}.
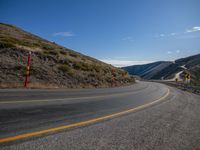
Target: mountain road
{"type": "Point", "coordinates": [145, 115]}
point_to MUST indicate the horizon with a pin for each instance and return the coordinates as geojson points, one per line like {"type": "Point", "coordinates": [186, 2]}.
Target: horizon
{"type": "Point", "coordinates": [120, 33]}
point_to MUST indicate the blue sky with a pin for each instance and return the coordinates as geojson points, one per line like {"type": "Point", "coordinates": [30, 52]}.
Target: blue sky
{"type": "Point", "coordinates": [120, 32]}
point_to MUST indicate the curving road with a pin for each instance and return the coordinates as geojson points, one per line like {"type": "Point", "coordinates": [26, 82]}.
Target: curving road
{"type": "Point", "coordinates": [145, 115]}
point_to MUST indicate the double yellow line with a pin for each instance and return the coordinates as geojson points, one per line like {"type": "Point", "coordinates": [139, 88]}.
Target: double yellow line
{"type": "Point", "coordinates": [56, 129]}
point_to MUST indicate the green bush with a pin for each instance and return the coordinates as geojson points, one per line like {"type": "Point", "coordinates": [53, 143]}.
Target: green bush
{"type": "Point", "coordinates": [63, 52]}
{"type": "Point", "coordinates": [33, 71]}
{"type": "Point", "coordinates": [51, 52]}
{"type": "Point", "coordinates": [77, 65]}
{"type": "Point", "coordinates": [73, 54]}
{"type": "Point", "coordinates": [12, 41]}
{"type": "Point", "coordinates": [71, 73]}
{"type": "Point", "coordinates": [86, 67]}
{"type": "Point", "coordinates": [97, 68]}
{"type": "Point", "coordinates": [47, 47]}
{"type": "Point", "coordinates": [82, 66]}
{"type": "Point", "coordinates": [64, 68]}
{"type": "Point", "coordinates": [8, 39]}
{"type": "Point", "coordinates": [6, 45]}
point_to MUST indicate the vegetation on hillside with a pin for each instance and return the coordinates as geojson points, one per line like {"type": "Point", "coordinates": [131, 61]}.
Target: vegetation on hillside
{"type": "Point", "coordinates": [51, 64]}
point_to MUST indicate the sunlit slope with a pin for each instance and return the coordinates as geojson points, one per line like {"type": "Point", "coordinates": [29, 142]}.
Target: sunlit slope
{"type": "Point", "coordinates": [51, 64]}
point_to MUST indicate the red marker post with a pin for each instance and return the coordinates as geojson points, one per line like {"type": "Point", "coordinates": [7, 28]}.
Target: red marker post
{"type": "Point", "coordinates": [28, 70]}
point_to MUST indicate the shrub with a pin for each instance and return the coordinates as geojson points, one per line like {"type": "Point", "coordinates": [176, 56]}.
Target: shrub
{"type": "Point", "coordinates": [65, 61]}
{"type": "Point", "coordinates": [33, 71]}
{"type": "Point", "coordinates": [106, 70]}
{"type": "Point", "coordinates": [82, 66]}
{"type": "Point", "coordinates": [91, 74]}
{"type": "Point", "coordinates": [63, 52]}
{"type": "Point", "coordinates": [64, 68]}
{"type": "Point", "coordinates": [46, 47]}
{"type": "Point", "coordinates": [13, 41]}
{"type": "Point", "coordinates": [51, 52]}
{"type": "Point", "coordinates": [86, 67]}
{"type": "Point", "coordinates": [6, 45]}
{"type": "Point", "coordinates": [83, 59]}
{"type": "Point", "coordinates": [8, 39]}
{"type": "Point", "coordinates": [125, 73]}
{"type": "Point", "coordinates": [73, 54]}
{"type": "Point", "coordinates": [97, 68]}
{"type": "Point", "coordinates": [77, 65]}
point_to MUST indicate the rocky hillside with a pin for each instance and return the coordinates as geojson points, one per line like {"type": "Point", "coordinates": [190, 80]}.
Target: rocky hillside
{"type": "Point", "coordinates": [167, 70]}
{"type": "Point", "coordinates": [51, 64]}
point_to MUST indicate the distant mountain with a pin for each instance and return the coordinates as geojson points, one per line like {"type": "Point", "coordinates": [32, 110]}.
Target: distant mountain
{"type": "Point", "coordinates": [147, 71]}
{"type": "Point", "coordinates": [51, 64]}
{"type": "Point", "coordinates": [167, 69]}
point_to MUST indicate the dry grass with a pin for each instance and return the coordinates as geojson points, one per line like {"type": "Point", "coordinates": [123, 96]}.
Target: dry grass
{"type": "Point", "coordinates": [60, 66]}
{"type": "Point", "coordinates": [37, 85]}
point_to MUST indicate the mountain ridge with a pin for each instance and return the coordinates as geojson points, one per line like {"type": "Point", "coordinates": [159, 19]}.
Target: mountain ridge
{"type": "Point", "coordinates": [167, 69]}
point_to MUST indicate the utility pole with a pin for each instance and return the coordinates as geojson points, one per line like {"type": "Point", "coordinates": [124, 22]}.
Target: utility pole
{"type": "Point", "coordinates": [27, 70]}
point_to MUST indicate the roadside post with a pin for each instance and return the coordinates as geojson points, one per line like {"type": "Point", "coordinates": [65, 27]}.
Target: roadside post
{"type": "Point", "coordinates": [27, 70]}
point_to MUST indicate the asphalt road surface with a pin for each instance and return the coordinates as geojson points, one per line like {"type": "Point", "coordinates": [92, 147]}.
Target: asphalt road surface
{"type": "Point", "coordinates": [145, 115]}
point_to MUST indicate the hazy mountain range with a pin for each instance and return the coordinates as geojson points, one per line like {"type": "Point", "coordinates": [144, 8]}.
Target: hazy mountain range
{"type": "Point", "coordinates": [167, 69]}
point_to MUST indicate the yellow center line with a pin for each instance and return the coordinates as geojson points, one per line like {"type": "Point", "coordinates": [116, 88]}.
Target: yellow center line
{"type": "Point", "coordinates": [56, 129]}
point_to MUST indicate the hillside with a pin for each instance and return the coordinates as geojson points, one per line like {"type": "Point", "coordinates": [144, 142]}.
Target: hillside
{"type": "Point", "coordinates": [51, 64]}
{"type": "Point", "coordinates": [167, 70]}
{"type": "Point", "coordinates": [147, 71]}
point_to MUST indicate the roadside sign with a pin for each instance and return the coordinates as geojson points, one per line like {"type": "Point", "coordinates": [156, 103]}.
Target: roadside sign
{"type": "Point", "coordinates": [187, 78]}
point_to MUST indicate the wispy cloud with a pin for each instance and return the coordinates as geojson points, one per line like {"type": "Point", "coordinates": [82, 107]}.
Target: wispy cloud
{"type": "Point", "coordinates": [123, 63]}
{"type": "Point", "coordinates": [182, 34]}
{"type": "Point", "coordinates": [194, 29]}
{"type": "Point", "coordinates": [128, 38]}
{"type": "Point", "coordinates": [173, 52]}
{"type": "Point", "coordinates": [169, 52]}
{"type": "Point", "coordinates": [162, 35]}
{"type": "Point", "coordinates": [65, 34]}
{"type": "Point", "coordinates": [178, 51]}
{"type": "Point", "coordinates": [173, 34]}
